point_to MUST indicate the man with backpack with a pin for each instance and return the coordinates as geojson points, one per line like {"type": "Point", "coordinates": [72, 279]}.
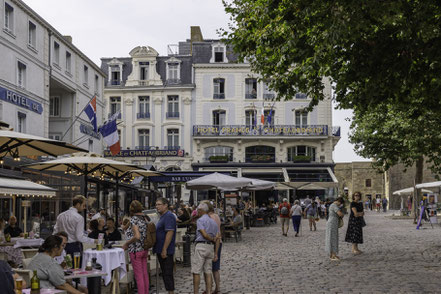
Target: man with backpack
{"type": "Point", "coordinates": [165, 243]}
{"type": "Point", "coordinates": [284, 209]}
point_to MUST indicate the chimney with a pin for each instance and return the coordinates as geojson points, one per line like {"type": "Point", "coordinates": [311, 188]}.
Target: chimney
{"type": "Point", "coordinates": [196, 36]}
{"type": "Point", "coordinates": [68, 38]}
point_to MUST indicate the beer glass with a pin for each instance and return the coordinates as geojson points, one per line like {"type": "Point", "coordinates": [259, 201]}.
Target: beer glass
{"type": "Point", "coordinates": [77, 256]}
{"type": "Point", "coordinates": [19, 284]}
{"type": "Point", "coordinates": [99, 245]}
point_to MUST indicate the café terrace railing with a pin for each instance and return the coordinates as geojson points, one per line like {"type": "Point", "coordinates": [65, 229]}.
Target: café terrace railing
{"type": "Point", "coordinates": [271, 130]}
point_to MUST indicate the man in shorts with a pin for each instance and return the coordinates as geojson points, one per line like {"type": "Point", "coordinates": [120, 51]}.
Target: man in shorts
{"type": "Point", "coordinates": [284, 209]}
{"type": "Point", "coordinates": [207, 243]}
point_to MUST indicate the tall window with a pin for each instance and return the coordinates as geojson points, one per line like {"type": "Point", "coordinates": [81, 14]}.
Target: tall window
{"type": "Point", "coordinates": [267, 93]}
{"type": "Point", "coordinates": [260, 154]}
{"type": "Point", "coordinates": [21, 122]}
{"type": "Point", "coordinates": [301, 118]}
{"type": "Point", "coordinates": [368, 183]}
{"type": "Point", "coordinates": [144, 71]}
{"type": "Point", "coordinates": [269, 116]}
{"type": "Point", "coordinates": [219, 88]}
{"type": "Point", "coordinates": [144, 106]}
{"type": "Point", "coordinates": [90, 145]}
{"type": "Point", "coordinates": [9, 17]}
{"type": "Point", "coordinates": [68, 62]}
{"type": "Point", "coordinates": [219, 117]}
{"type": "Point", "coordinates": [115, 75]}
{"type": "Point", "coordinates": [219, 52]}
{"type": "Point", "coordinates": [301, 153]}
{"type": "Point", "coordinates": [54, 106]}
{"type": "Point", "coordinates": [115, 105]}
{"type": "Point", "coordinates": [21, 74]}
{"type": "Point", "coordinates": [219, 153]}
{"type": "Point", "coordinates": [56, 53]}
{"type": "Point", "coordinates": [86, 75]}
{"type": "Point", "coordinates": [97, 85]}
{"type": "Point", "coordinates": [173, 106]}
{"type": "Point", "coordinates": [173, 71]}
{"type": "Point", "coordinates": [250, 88]}
{"type": "Point", "coordinates": [173, 138]}
{"type": "Point", "coordinates": [250, 118]}
{"type": "Point", "coordinates": [301, 96]}
{"type": "Point", "coordinates": [32, 34]}
{"type": "Point", "coordinates": [143, 138]}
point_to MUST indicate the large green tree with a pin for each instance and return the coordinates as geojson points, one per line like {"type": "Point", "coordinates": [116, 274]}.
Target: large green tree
{"type": "Point", "coordinates": [383, 58]}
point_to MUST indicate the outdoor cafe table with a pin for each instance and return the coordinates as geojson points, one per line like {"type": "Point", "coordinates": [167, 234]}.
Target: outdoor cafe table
{"type": "Point", "coordinates": [45, 291]}
{"type": "Point", "coordinates": [110, 259]}
{"type": "Point", "coordinates": [79, 273]}
{"type": "Point", "coordinates": [22, 242]}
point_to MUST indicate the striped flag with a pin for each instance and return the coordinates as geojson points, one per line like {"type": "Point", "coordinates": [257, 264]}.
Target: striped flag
{"type": "Point", "coordinates": [262, 115]}
{"type": "Point", "coordinates": [109, 131]}
{"type": "Point", "coordinates": [90, 110]}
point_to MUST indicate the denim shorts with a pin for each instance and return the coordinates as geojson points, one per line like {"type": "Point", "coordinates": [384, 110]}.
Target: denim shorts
{"type": "Point", "coordinates": [216, 265]}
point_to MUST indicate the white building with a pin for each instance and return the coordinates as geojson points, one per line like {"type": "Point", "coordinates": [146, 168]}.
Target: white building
{"type": "Point", "coordinates": [45, 81]}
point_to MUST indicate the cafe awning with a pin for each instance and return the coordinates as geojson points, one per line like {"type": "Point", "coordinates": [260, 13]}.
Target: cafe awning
{"type": "Point", "coordinates": [15, 187]}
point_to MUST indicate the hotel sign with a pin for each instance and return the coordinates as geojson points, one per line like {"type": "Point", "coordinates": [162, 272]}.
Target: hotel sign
{"type": "Point", "coordinates": [147, 153]}
{"type": "Point", "coordinates": [20, 100]}
{"type": "Point", "coordinates": [276, 130]}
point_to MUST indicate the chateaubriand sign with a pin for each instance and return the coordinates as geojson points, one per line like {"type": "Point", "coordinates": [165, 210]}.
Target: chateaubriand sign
{"type": "Point", "coordinates": [242, 130]}
{"type": "Point", "coordinates": [146, 153]}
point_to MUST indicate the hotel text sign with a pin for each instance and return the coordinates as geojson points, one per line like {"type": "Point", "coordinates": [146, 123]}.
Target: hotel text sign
{"type": "Point", "coordinates": [146, 153]}
{"type": "Point", "coordinates": [281, 130]}
{"type": "Point", "coordinates": [20, 100]}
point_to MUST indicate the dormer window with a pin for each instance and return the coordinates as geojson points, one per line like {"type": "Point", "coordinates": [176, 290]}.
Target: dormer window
{"type": "Point", "coordinates": [173, 70]}
{"type": "Point", "coordinates": [144, 71]}
{"type": "Point", "coordinates": [115, 75]}
{"type": "Point", "coordinates": [219, 53]}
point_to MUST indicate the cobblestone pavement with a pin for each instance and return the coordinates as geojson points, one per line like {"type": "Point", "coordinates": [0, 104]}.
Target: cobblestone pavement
{"type": "Point", "coordinates": [397, 259]}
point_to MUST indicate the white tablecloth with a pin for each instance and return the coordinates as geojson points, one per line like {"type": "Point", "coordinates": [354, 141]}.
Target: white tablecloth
{"type": "Point", "coordinates": [22, 242]}
{"type": "Point", "coordinates": [110, 259]}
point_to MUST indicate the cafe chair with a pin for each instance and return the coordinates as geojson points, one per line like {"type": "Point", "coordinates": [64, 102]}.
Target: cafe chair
{"type": "Point", "coordinates": [2, 256]}
{"type": "Point", "coordinates": [29, 253]}
{"type": "Point", "coordinates": [26, 262]}
{"type": "Point", "coordinates": [129, 278]}
{"type": "Point", "coordinates": [25, 274]}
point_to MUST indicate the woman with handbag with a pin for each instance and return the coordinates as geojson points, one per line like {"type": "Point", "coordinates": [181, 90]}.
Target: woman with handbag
{"type": "Point", "coordinates": [332, 226]}
{"type": "Point", "coordinates": [354, 233]}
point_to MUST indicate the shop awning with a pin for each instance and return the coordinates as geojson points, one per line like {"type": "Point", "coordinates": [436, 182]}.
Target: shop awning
{"type": "Point", "coordinates": [180, 176]}
{"type": "Point", "coordinates": [15, 187]}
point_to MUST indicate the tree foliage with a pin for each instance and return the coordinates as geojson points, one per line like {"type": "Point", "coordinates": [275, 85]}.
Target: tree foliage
{"type": "Point", "coordinates": [381, 56]}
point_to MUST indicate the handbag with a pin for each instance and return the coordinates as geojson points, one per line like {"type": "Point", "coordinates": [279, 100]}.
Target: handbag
{"type": "Point", "coordinates": [341, 223]}
{"type": "Point", "coordinates": [362, 222]}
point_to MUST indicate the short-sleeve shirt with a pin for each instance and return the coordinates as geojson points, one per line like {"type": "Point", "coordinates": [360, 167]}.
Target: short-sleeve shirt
{"type": "Point", "coordinates": [48, 270]}
{"type": "Point", "coordinates": [238, 220]}
{"type": "Point", "coordinates": [296, 210]}
{"type": "Point", "coordinates": [288, 206]}
{"type": "Point", "coordinates": [6, 278]}
{"type": "Point", "coordinates": [208, 225]}
{"type": "Point", "coordinates": [13, 231]}
{"type": "Point", "coordinates": [311, 210]}
{"type": "Point", "coordinates": [167, 222]}
{"type": "Point", "coordinates": [139, 221]}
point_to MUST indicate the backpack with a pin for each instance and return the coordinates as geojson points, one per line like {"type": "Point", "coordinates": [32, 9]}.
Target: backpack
{"type": "Point", "coordinates": [284, 210]}
{"type": "Point", "coordinates": [150, 238]}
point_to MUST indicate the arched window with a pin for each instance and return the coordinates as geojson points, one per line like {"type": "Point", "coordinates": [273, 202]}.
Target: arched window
{"type": "Point", "coordinates": [219, 154]}
{"type": "Point", "coordinates": [260, 154]}
{"type": "Point", "coordinates": [301, 154]}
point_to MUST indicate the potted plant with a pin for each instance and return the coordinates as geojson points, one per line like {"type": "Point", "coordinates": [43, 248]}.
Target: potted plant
{"type": "Point", "coordinates": [218, 158]}
{"type": "Point", "coordinates": [301, 159]}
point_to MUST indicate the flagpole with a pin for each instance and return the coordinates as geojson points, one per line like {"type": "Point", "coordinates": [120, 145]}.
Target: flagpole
{"type": "Point", "coordinates": [76, 118]}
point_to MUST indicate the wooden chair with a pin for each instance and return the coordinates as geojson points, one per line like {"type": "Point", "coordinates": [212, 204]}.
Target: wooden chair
{"type": "Point", "coordinates": [26, 262]}
{"type": "Point", "coordinates": [129, 278]}
{"type": "Point", "coordinates": [29, 253]}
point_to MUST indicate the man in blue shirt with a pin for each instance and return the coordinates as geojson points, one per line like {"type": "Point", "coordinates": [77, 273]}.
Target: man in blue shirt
{"type": "Point", "coordinates": [207, 242]}
{"type": "Point", "coordinates": [165, 242]}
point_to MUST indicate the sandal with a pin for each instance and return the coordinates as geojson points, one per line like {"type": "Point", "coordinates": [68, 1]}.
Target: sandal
{"type": "Point", "coordinates": [335, 258]}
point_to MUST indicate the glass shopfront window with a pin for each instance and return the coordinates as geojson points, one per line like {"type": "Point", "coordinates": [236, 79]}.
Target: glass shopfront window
{"type": "Point", "coordinates": [260, 154]}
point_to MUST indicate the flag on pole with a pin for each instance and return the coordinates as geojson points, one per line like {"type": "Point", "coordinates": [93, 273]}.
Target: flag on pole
{"type": "Point", "coordinates": [90, 110]}
{"type": "Point", "coordinates": [262, 116]}
{"type": "Point", "coordinates": [109, 131]}
{"type": "Point", "coordinates": [254, 117]}
{"type": "Point", "coordinates": [271, 113]}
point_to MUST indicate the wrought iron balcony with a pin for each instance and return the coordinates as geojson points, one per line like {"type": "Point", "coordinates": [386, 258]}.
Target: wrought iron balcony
{"type": "Point", "coordinates": [269, 96]}
{"type": "Point", "coordinates": [301, 96]}
{"type": "Point", "coordinates": [143, 115]}
{"type": "Point", "coordinates": [115, 83]}
{"type": "Point", "coordinates": [251, 96]}
{"type": "Point", "coordinates": [219, 96]}
{"type": "Point", "coordinates": [267, 131]}
{"type": "Point", "coordinates": [172, 114]}
{"type": "Point", "coordinates": [172, 147]}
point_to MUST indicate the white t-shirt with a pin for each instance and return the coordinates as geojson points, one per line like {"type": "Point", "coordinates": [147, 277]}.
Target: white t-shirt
{"type": "Point", "coordinates": [296, 210]}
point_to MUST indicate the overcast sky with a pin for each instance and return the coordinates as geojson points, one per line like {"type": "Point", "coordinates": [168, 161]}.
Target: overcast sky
{"type": "Point", "coordinates": [111, 28]}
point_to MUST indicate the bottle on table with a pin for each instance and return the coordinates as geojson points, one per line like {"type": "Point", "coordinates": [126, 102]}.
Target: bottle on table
{"type": "Point", "coordinates": [35, 283]}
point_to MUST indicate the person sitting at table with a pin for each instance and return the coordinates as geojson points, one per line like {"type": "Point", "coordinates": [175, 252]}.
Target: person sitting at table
{"type": "Point", "coordinates": [13, 229]}
{"type": "Point", "coordinates": [237, 219]}
{"type": "Point", "coordinates": [95, 231]}
{"type": "Point", "coordinates": [60, 259]}
{"type": "Point", "coordinates": [102, 224]}
{"type": "Point", "coordinates": [112, 233]}
{"type": "Point", "coordinates": [49, 272]}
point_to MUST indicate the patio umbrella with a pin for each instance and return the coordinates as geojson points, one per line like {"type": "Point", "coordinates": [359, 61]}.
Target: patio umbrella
{"type": "Point", "coordinates": [429, 185]}
{"type": "Point", "coordinates": [257, 185]}
{"type": "Point", "coordinates": [17, 144]}
{"type": "Point", "coordinates": [409, 191]}
{"type": "Point", "coordinates": [89, 164]}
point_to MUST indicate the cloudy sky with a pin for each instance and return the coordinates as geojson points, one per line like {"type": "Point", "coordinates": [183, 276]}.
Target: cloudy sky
{"type": "Point", "coordinates": [111, 28]}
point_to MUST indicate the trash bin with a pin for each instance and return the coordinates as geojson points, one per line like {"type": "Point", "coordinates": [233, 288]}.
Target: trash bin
{"type": "Point", "coordinates": [187, 251]}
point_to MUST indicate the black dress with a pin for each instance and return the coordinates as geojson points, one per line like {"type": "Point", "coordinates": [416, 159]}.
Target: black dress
{"type": "Point", "coordinates": [354, 234]}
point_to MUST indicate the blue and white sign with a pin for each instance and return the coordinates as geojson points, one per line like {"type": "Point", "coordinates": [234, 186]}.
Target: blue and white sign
{"type": "Point", "coordinates": [20, 100]}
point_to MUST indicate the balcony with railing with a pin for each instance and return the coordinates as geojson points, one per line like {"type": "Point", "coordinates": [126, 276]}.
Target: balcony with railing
{"type": "Point", "coordinates": [265, 131]}
{"type": "Point", "coordinates": [172, 147]}
{"type": "Point", "coordinates": [219, 96]}
{"type": "Point", "coordinates": [143, 115]}
{"type": "Point", "coordinates": [111, 114]}
{"type": "Point", "coordinates": [172, 114]}
{"type": "Point", "coordinates": [250, 95]}
{"type": "Point", "coordinates": [269, 96]}
{"type": "Point", "coordinates": [115, 82]}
